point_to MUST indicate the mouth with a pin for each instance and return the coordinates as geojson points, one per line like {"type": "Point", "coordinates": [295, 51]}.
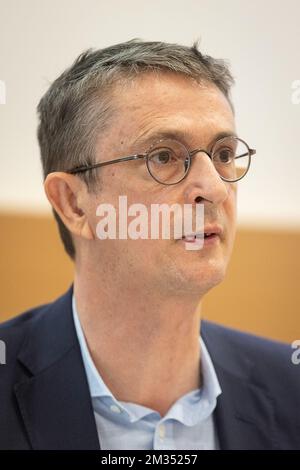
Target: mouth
{"type": "Point", "coordinates": [191, 238]}
{"type": "Point", "coordinates": [209, 232]}
{"type": "Point", "coordinates": [209, 236]}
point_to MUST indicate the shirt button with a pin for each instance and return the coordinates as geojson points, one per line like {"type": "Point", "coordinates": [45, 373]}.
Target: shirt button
{"type": "Point", "coordinates": [115, 409]}
{"type": "Point", "coordinates": [162, 431]}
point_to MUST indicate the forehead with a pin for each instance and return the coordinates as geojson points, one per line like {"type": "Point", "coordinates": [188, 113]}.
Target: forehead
{"type": "Point", "coordinates": [156, 102]}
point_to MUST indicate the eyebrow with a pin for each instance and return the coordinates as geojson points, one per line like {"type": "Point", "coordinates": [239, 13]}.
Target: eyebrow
{"type": "Point", "coordinates": [177, 134]}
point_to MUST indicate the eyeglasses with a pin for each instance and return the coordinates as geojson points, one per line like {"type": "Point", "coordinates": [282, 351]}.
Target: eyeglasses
{"type": "Point", "coordinates": [169, 161]}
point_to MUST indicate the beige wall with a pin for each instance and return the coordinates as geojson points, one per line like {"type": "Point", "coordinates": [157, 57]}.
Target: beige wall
{"type": "Point", "coordinates": [260, 294]}
{"type": "Point", "coordinates": [260, 39]}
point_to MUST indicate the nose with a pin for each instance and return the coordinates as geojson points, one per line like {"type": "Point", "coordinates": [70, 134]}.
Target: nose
{"type": "Point", "coordinates": [203, 183]}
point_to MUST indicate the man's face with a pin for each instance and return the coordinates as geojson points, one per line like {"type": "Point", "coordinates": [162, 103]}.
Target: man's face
{"type": "Point", "coordinates": [147, 106]}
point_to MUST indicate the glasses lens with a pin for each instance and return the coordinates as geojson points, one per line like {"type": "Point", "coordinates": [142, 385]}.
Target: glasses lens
{"type": "Point", "coordinates": [231, 158]}
{"type": "Point", "coordinates": [168, 161]}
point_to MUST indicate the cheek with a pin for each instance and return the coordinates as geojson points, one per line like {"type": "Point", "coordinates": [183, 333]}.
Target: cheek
{"type": "Point", "coordinates": [230, 210]}
{"type": "Point", "coordinates": [230, 203]}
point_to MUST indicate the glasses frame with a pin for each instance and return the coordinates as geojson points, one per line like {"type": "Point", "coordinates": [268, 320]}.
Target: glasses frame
{"type": "Point", "coordinates": [190, 154]}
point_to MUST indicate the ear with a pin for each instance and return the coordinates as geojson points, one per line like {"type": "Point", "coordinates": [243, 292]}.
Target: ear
{"type": "Point", "coordinates": [66, 193]}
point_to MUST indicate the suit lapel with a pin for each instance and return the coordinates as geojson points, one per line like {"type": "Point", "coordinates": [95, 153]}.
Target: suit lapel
{"type": "Point", "coordinates": [244, 415]}
{"type": "Point", "coordinates": [54, 398]}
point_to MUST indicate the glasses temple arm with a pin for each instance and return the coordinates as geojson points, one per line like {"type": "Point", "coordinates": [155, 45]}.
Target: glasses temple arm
{"type": "Point", "coordinates": [251, 152]}
{"type": "Point", "coordinates": [81, 169]}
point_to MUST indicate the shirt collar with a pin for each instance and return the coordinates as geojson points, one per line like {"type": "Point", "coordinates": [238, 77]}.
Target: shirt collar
{"type": "Point", "coordinates": [205, 397]}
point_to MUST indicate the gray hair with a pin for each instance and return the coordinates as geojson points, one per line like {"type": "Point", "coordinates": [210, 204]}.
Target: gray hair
{"type": "Point", "coordinates": [78, 106]}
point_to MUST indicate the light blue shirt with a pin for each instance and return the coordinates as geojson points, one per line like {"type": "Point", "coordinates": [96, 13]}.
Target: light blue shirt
{"type": "Point", "coordinates": [188, 424]}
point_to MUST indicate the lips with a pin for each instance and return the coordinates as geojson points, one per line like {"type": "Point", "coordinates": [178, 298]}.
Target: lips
{"type": "Point", "coordinates": [209, 232]}
{"type": "Point", "coordinates": [192, 238]}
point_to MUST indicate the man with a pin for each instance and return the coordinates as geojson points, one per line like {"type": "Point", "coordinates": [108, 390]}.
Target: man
{"type": "Point", "coordinates": [118, 362]}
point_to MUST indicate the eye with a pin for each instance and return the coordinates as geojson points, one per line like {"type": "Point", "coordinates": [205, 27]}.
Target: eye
{"type": "Point", "coordinates": [224, 155]}
{"type": "Point", "coordinates": [162, 157]}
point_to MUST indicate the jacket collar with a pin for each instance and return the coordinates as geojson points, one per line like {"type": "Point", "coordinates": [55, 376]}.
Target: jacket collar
{"type": "Point", "coordinates": [54, 398]}
{"type": "Point", "coordinates": [244, 414]}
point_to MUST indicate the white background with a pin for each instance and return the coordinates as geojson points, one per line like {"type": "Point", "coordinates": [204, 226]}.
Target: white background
{"type": "Point", "coordinates": [261, 40]}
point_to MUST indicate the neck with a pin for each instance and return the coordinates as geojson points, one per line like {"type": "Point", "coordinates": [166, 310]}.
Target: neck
{"type": "Point", "coordinates": [145, 347]}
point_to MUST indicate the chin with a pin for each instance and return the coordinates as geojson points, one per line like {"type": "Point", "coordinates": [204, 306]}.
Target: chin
{"type": "Point", "coordinates": [210, 280]}
{"type": "Point", "coordinates": [199, 280]}
{"type": "Point", "coordinates": [212, 271]}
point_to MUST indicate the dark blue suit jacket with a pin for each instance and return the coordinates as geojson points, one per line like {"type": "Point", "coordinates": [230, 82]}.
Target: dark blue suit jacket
{"type": "Point", "coordinates": [45, 401]}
